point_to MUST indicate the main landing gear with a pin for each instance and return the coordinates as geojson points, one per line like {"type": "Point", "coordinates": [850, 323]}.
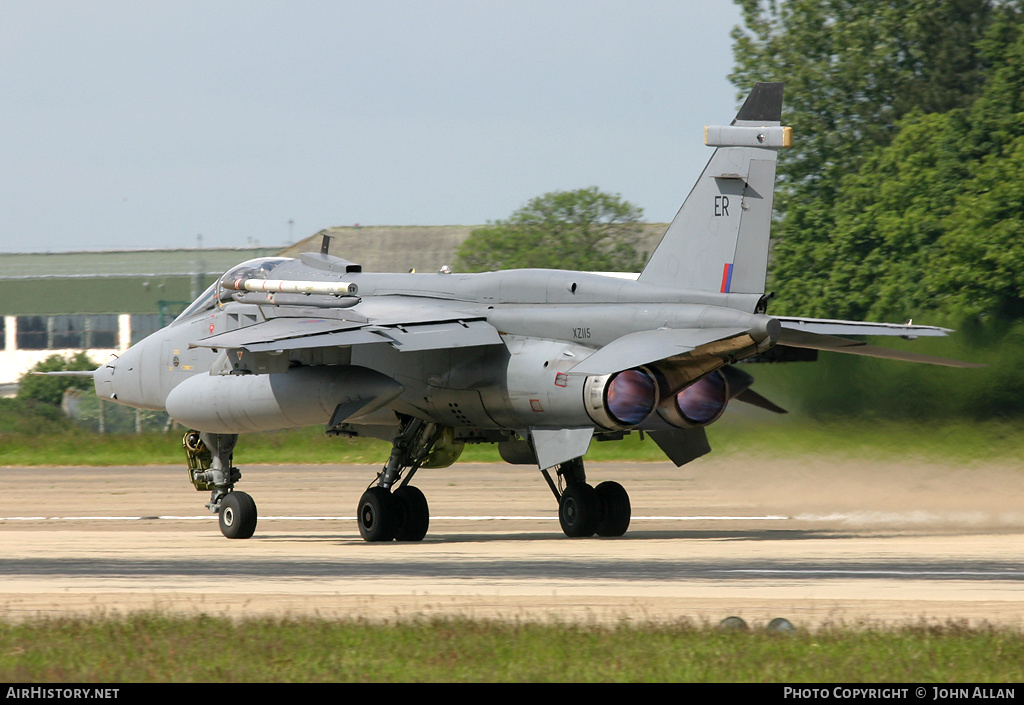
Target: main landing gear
{"type": "Point", "coordinates": [402, 514]}
{"type": "Point", "coordinates": [391, 508]}
{"type": "Point", "coordinates": [584, 510]}
{"type": "Point", "coordinates": [210, 469]}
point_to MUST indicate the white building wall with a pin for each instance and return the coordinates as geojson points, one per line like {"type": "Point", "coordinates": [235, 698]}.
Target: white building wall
{"type": "Point", "coordinates": [14, 362]}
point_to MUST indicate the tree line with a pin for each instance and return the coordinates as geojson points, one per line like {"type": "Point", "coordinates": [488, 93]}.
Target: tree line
{"type": "Point", "coordinates": [903, 196]}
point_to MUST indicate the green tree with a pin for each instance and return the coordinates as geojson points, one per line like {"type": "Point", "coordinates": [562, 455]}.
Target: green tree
{"type": "Point", "coordinates": [855, 72]}
{"type": "Point", "coordinates": [931, 222]}
{"type": "Point", "coordinates": [978, 268]}
{"type": "Point", "coordinates": [50, 390]}
{"type": "Point", "coordinates": [583, 229]}
{"type": "Point", "coordinates": [978, 263]}
{"type": "Point", "coordinates": [853, 68]}
{"type": "Point", "coordinates": [884, 227]}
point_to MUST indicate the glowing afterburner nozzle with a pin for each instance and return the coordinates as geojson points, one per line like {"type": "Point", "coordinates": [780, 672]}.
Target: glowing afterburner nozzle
{"type": "Point", "coordinates": [704, 400]}
{"type": "Point", "coordinates": [630, 396]}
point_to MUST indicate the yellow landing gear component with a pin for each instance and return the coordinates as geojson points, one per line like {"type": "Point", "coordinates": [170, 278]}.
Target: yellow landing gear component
{"type": "Point", "coordinates": [445, 451]}
{"type": "Point", "coordinates": [199, 459]}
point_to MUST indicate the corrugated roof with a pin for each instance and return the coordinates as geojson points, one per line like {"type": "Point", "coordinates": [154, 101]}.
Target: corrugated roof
{"type": "Point", "coordinates": [391, 248]}
{"type": "Point", "coordinates": [378, 248]}
{"type": "Point", "coordinates": [399, 248]}
{"type": "Point", "coordinates": [18, 265]}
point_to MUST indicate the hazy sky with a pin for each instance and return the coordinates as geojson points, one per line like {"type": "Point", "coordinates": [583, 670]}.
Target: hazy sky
{"type": "Point", "coordinates": [142, 124]}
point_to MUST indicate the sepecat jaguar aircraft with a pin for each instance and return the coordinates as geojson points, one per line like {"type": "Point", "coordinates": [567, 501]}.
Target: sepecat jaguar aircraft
{"type": "Point", "coordinates": [539, 361]}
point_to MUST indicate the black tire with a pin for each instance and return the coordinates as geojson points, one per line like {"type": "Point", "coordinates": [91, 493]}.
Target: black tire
{"type": "Point", "coordinates": [579, 510]}
{"type": "Point", "coordinates": [415, 514]}
{"type": "Point", "coordinates": [237, 515]}
{"type": "Point", "coordinates": [615, 509]}
{"type": "Point", "coordinates": [378, 515]}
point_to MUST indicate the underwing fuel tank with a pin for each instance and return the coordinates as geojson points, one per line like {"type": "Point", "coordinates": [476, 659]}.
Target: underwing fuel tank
{"type": "Point", "coordinates": [303, 396]}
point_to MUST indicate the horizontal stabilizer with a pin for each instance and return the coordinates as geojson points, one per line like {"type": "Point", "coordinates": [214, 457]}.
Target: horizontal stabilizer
{"type": "Point", "coordinates": [648, 346]}
{"type": "Point", "coordinates": [817, 341]}
{"type": "Point", "coordinates": [831, 326]}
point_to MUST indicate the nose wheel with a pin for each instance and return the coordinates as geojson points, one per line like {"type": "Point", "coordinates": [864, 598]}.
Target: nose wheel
{"type": "Point", "coordinates": [237, 515]}
{"type": "Point", "coordinates": [210, 469]}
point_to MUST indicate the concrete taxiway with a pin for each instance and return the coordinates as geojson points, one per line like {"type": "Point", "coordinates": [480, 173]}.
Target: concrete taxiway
{"type": "Point", "coordinates": [814, 541]}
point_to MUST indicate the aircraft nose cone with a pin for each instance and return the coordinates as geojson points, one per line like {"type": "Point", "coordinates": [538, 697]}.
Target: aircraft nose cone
{"type": "Point", "coordinates": [103, 381]}
{"type": "Point", "coordinates": [120, 379]}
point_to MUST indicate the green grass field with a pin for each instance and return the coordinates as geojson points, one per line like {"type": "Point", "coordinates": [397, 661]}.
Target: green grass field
{"type": "Point", "coordinates": [33, 436]}
{"type": "Point", "coordinates": [156, 648]}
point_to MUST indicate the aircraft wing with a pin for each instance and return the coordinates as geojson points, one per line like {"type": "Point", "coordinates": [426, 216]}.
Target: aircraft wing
{"type": "Point", "coordinates": [404, 334]}
{"type": "Point", "coordinates": [824, 334]}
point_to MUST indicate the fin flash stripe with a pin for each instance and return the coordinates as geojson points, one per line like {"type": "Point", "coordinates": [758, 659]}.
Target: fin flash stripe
{"type": "Point", "coordinates": [726, 277]}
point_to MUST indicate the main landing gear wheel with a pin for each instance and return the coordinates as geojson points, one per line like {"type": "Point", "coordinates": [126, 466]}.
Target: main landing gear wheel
{"type": "Point", "coordinates": [377, 514]}
{"type": "Point", "coordinates": [415, 514]}
{"type": "Point", "coordinates": [615, 509]}
{"type": "Point", "coordinates": [403, 516]}
{"type": "Point", "coordinates": [579, 510]}
{"type": "Point", "coordinates": [237, 515]}
{"type": "Point", "coordinates": [585, 511]}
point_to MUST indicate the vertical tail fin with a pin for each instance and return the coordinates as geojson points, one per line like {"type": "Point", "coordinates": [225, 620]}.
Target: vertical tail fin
{"type": "Point", "coordinates": [718, 240]}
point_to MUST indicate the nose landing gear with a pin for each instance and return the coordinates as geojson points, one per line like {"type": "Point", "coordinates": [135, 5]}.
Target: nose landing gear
{"type": "Point", "coordinates": [209, 458]}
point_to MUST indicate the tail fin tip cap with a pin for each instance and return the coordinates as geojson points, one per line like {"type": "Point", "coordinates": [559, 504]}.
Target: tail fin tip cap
{"type": "Point", "coordinates": [763, 103]}
{"type": "Point", "coordinates": [742, 136]}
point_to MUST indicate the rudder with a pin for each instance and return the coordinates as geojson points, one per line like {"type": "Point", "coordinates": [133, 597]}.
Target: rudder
{"type": "Point", "coordinates": [718, 241]}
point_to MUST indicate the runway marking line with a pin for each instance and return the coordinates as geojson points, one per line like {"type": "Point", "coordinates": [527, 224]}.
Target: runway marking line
{"type": "Point", "coordinates": [352, 518]}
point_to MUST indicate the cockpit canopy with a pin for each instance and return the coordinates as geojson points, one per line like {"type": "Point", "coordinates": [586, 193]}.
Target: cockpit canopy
{"type": "Point", "coordinates": [253, 269]}
{"type": "Point", "coordinates": [257, 268]}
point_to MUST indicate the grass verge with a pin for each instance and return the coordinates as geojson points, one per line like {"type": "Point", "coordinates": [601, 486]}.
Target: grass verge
{"type": "Point", "coordinates": [158, 648]}
{"type": "Point", "coordinates": [959, 442]}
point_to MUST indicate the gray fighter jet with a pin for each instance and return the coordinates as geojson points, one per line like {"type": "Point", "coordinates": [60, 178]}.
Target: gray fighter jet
{"type": "Point", "coordinates": [540, 362]}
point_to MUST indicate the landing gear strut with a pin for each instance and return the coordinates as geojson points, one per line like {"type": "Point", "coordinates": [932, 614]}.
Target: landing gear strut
{"type": "Point", "coordinates": [210, 469]}
{"type": "Point", "coordinates": [585, 511]}
{"type": "Point", "coordinates": [402, 514]}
